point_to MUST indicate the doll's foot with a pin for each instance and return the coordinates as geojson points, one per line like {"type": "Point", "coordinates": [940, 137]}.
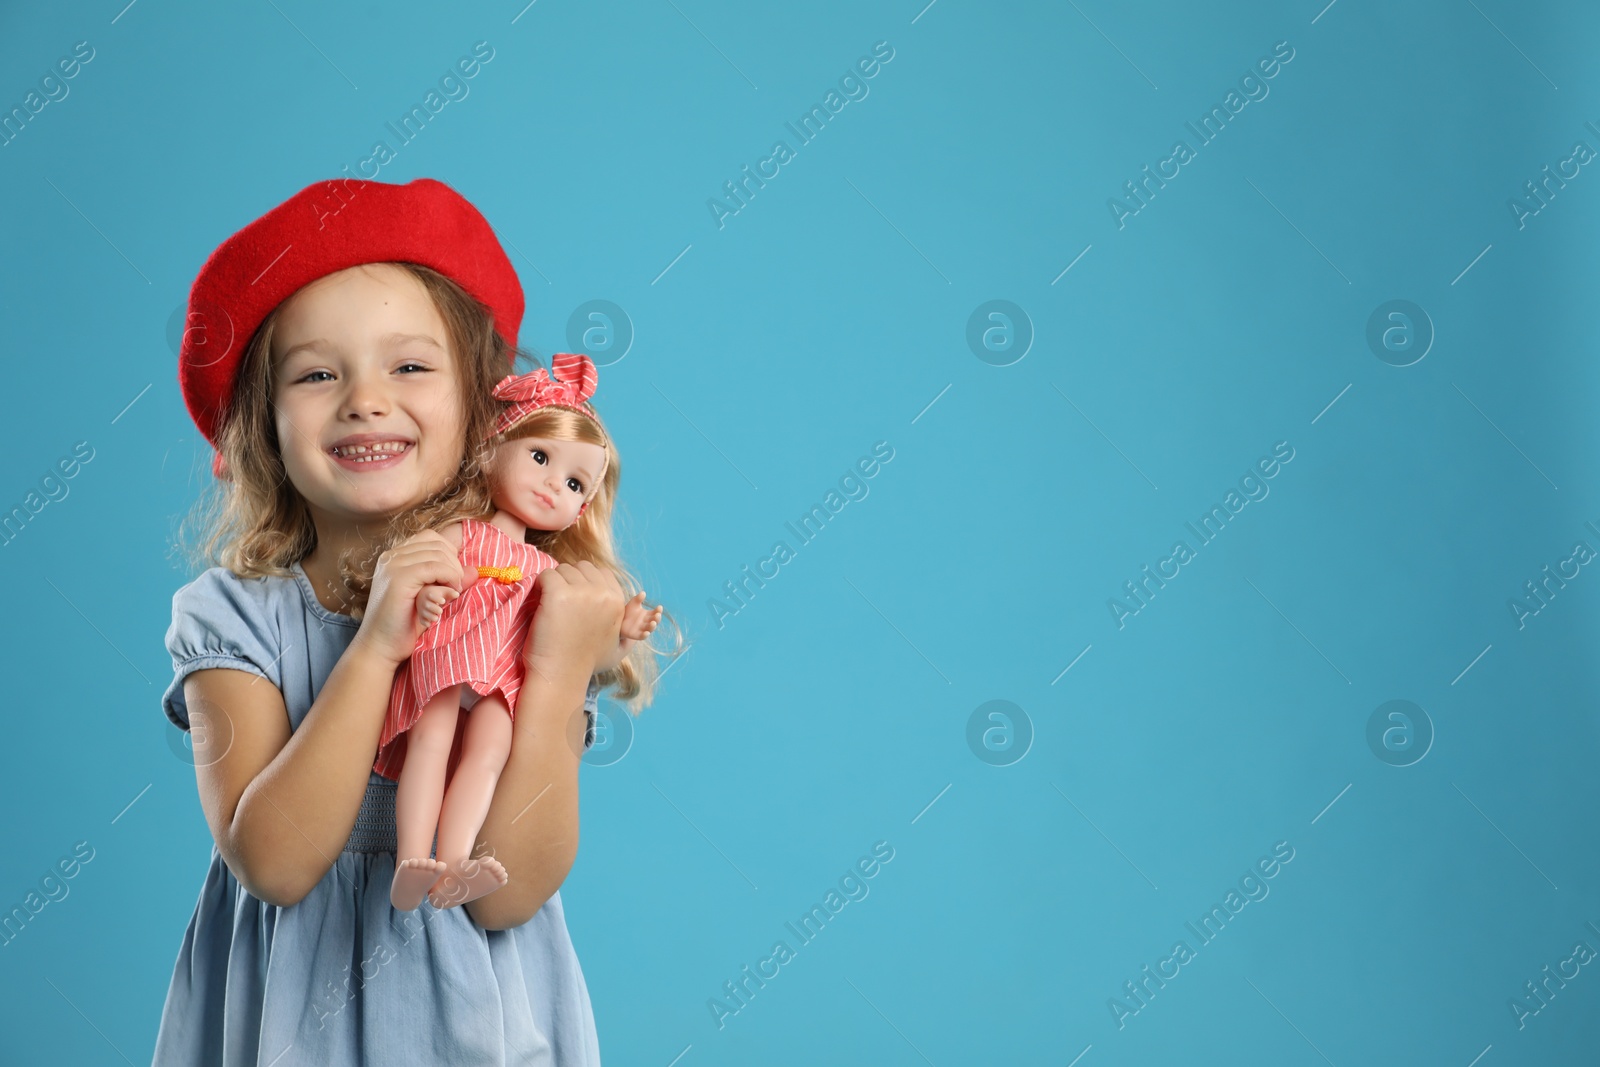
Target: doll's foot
{"type": "Point", "coordinates": [411, 881]}
{"type": "Point", "coordinates": [468, 880]}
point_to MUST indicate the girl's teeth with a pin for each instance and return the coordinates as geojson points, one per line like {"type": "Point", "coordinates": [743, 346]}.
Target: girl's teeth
{"type": "Point", "coordinates": [366, 454]}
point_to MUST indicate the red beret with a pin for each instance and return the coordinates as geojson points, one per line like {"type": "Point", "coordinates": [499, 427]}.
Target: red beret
{"type": "Point", "coordinates": [327, 227]}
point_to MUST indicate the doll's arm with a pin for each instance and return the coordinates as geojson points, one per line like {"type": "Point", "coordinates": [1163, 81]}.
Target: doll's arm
{"type": "Point", "coordinates": [638, 623]}
{"type": "Point", "coordinates": [431, 602]}
{"type": "Point", "coordinates": [432, 599]}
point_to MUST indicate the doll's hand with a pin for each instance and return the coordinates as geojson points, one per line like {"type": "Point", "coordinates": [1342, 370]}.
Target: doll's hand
{"type": "Point", "coordinates": [638, 621]}
{"type": "Point", "coordinates": [431, 602]}
{"type": "Point", "coordinates": [389, 627]}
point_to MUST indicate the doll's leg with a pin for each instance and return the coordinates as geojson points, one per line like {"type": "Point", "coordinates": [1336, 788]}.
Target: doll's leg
{"type": "Point", "coordinates": [417, 799]}
{"type": "Point", "coordinates": [484, 748]}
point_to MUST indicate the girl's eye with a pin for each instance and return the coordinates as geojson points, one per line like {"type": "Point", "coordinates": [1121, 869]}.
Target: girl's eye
{"type": "Point", "coordinates": [419, 366]}
{"type": "Point", "coordinates": [539, 456]}
{"type": "Point", "coordinates": [575, 485]}
{"type": "Point", "coordinates": [313, 374]}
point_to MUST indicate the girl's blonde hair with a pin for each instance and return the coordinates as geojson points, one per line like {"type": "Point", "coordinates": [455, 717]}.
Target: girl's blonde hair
{"type": "Point", "coordinates": [256, 524]}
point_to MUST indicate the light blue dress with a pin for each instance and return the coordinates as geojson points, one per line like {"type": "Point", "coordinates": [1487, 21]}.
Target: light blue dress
{"type": "Point", "coordinates": [342, 977]}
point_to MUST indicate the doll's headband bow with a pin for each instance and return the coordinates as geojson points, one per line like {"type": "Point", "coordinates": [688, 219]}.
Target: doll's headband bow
{"type": "Point", "coordinates": [571, 380]}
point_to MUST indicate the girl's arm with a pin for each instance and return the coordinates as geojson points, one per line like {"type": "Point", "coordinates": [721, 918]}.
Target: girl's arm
{"type": "Point", "coordinates": [532, 824]}
{"type": "Point", "coordinates": [281, 803]}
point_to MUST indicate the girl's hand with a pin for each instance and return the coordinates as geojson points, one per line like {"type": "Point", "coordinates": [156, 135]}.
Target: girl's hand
{"type": "Point", "coordinates": [576, 622]}
{"type": "Point", "coordinates": [638, 621]}
{"type": "Point", "coordinates": [390, 627]}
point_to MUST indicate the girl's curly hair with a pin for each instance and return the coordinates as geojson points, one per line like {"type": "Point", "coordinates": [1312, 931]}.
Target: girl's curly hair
{"type": "Point", "coordinates": [255, 523]}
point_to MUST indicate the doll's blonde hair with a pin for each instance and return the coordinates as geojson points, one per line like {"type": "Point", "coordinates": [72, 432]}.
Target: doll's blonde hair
{"type": "Point", "coordinates": [588, 538]}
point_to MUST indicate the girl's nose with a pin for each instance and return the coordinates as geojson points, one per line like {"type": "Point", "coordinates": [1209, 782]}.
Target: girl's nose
{"type": "Point", "coordinates": [365, 398]}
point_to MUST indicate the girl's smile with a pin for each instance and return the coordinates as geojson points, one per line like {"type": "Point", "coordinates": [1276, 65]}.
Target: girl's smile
{"type": "Point", "coordinates": [369, 451]}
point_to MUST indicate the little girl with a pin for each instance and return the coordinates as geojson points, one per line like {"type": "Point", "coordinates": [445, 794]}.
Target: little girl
{"type": "Point", "coordinates": [551, 458]}
{"type": "Point", "coordinates": [340, 353]}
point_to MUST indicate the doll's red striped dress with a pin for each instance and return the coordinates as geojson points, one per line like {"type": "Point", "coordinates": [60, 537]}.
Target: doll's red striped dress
{"type": "Point", "coordinates": [477, 641]}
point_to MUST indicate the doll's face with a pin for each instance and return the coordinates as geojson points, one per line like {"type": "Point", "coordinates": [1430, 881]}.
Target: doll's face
{"type": "Point", "coordinates": [365, 394]}
{"type": "Point", "coordinates": [543, 481]}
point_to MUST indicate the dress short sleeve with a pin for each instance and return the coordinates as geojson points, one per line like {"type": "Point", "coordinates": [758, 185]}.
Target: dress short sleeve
{"type": "Point", "coordinates": [219, 620]}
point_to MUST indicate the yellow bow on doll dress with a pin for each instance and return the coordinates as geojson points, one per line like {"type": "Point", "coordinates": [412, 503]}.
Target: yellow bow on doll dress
{"type": "Point", "coordinates": [501, 574]}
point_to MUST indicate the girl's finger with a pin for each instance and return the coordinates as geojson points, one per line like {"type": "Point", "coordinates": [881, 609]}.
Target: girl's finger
{"type": "Point", "coordinates": [437, 547]}
{"type": "Point", "coordinates": [416, 573]}
{"type": "Point", "coordinates": [434, 568]}
{"type": "Point", "coordinates": [437, 550]}
{"type": "Point", "coordinates": [408, 551]}
{"type": "Point", "coordinates": [423, 537]}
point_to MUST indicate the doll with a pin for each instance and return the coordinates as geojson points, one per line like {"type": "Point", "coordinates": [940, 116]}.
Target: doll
{"type": "Point", "coordinates": [470, 653]}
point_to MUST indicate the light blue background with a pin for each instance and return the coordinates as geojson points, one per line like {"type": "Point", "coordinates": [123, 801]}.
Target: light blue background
{"type": "Point", "coordinates": [1228, 715]}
